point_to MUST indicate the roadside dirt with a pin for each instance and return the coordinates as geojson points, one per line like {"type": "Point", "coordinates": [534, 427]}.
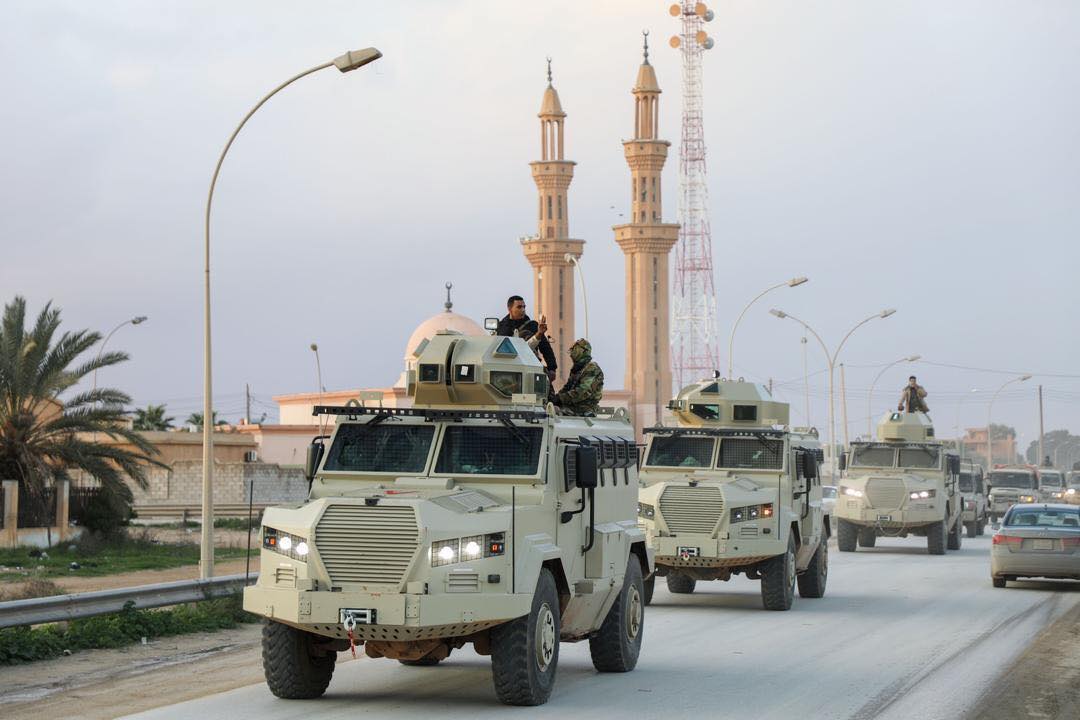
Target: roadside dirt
{"type": "Point", "coordinates": [1042, 684]}
{"type": "Point", "coordinates": [99, 684]}
{"type": "Point", "coordinates": [145, 577]}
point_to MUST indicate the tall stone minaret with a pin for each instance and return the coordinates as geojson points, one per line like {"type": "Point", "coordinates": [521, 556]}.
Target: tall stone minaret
{"type": "Point", "coordinates": [553, 276]}
{"type": "Point", "coordinates": [646, 241]}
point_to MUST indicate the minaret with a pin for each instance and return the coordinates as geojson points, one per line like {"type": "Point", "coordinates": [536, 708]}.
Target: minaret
{"type": "Point", "coordinates": [646, 241]}
{"type": "Point", "coordinates": [553, 276]}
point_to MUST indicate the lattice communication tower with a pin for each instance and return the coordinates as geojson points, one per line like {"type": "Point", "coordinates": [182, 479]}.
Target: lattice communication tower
{"type": "Point", "coordinates": [693, 338]}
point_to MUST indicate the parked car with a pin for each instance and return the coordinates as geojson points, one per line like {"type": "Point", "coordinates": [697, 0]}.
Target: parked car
{"type": "Point", "coordinates": [1037, 540]}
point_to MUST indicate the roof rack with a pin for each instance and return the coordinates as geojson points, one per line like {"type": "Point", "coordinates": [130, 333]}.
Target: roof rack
{"type": "Point", "coordinates": [725, 432]}
{"type": "Point", "coordinates": [353, 411]}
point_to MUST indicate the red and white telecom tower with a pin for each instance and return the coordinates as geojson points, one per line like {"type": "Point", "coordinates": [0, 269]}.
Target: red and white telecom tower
{"type": "Point", "coordinates": [693, 337]}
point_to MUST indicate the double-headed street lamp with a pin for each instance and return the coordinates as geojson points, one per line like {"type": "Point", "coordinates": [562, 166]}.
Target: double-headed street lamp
{"type": "Point", "coordinates": [349, 61]}
{"type": "Point", "coordinates": [989, 410]}
{"type": "Point", "coordinates": [870, 395]}
{"type": "Point", "coordinates": [831, 359]}
{"type": "Point", "coordinates": [576, 262]}
{"type": "Point", "coordinates": [137, 320]}
{"type": "Point", "coordinates": [793, 282]}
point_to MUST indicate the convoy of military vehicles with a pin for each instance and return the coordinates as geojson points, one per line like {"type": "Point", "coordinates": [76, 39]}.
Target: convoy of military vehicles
{"type": "Point", "coordinates": [482, 514]}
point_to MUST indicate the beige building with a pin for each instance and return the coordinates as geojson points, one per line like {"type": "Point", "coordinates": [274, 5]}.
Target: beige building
{"type": "Point", "coordinates": [646, 241]}
{"type": "Point", "coordinates": [553, 275]}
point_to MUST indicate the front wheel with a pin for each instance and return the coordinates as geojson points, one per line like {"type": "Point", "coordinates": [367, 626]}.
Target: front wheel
{"type": "Point", "coordinates": [981, 527]}
{"type": "Point", "coordinates": [525, 651]}
{"type": "Point", "coordinates": [778, 580]}
{"type": "Point", "coordinates": [935, 538]}
{"type": "Point", "coordinates": [999, 582]}
{"type": "Point", "coordinates": [956, 535]}
{"type": "Point", "coordinates": [680, 584]}
{"type": "Point", "coordinates": [650, 588]}
{"type": "Point", "coordinates": [867, 537]}
{"type": "Point", "coordinates": [846, 535]}
{"type": "Point", "coordinates": [812, 581]}
{"type": "Point", "coordinates": [972, 528]}
{"type": "Point", "coordinates": [616, 646]}
{"type": "Point", "coordinates": [296, 668]}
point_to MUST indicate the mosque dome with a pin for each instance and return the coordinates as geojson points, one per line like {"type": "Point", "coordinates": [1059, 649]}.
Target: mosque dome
{"type": "Point", "coordinates": [446, 320]}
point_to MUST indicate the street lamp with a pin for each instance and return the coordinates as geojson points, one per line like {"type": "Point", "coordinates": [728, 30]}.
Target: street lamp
{"type": "Point", "coordinates": [793, 282]}
{"type": "Point", "coordinates": [870, 395]}
{"type": "Point", "coordinates": [575, 261]}
{"type": "Point", "coordinates": [989, 409]}
{"type": "Point", "coordinates": [349, 61]}
{"type": "Point", "coordinates": [831, 359]}
{"type": "Point", "coordinates": [137, 320]}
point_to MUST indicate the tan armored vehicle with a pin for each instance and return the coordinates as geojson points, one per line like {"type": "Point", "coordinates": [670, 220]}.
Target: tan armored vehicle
{"type": "Point", "coordinates": [1051, 485]}
{"type": "Point", "coordinates": [973, 496]}
{"type": "Point", "coordinates": [1009, 485]}
{"type": "Point", "coordinates": [729, 489]}
{"type": "Point", "coordinates": [478, 515]}
{"type": "Point", "coordinates": [903, 484]}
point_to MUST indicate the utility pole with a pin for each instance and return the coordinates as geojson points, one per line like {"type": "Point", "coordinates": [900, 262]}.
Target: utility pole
{"type": "Point", "coordinates": [1039, 459]}
{"type": "Point", "coordinates": [806, 383]}
{"type": "Point", "coordinates": [843, 404]}
{"type": "Point", "coordinates": [247, 403]}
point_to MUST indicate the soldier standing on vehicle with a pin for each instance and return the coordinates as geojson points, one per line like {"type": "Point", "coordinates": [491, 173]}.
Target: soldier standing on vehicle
{"type": "Point", "coordinates": [518, 324]}
{"type": "Point", "coordinates": [911, 397]}
{"type": "Point", "coordinates": [581, 393]}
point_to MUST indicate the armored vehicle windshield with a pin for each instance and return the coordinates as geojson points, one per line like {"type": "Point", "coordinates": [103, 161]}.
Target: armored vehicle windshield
{"type": "Point", "coordinates": [873, 455]}
{"type": "Point", "coordinates": [1051, 479]}
{"type": "Point", "coordinates": [1012, 479]}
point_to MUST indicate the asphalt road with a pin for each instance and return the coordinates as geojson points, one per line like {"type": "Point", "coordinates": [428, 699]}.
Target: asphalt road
{"type": "Point", "coordinates": [899, 634]}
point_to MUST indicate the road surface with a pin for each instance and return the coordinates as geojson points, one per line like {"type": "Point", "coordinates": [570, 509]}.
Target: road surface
{"type": "Point", "coordinates": [899, 634]}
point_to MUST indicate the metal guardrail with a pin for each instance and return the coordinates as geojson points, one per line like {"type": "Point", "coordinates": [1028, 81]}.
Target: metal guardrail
{"type": "Point", "coordinates": [193, 511]}
{"type": "Point", "coordinates": [101, 602]}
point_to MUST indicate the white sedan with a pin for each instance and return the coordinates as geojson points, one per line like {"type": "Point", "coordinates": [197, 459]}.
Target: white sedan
{"type": "Point", "coordinates": [1037, 540]}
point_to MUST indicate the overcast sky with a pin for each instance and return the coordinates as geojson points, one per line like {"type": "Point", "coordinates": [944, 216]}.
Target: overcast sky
{"type": "Point", "coordinates": [921, 155]}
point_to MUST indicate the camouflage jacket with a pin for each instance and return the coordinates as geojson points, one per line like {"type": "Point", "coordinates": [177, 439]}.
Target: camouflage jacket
{"type": "Point", "coordinates": [581, 393]}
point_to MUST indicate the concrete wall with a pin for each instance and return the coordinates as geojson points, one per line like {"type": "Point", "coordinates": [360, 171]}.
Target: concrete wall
{"type": "Point", "coordinates": [182, 485]}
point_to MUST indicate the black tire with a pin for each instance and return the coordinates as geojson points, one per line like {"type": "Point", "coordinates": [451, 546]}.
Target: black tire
{"type": "Point", "coordinates": [981, 527]}
{"type": "Point", "coordinates": [999, 582]}
{"type": "Point", "coordinates": [680, 584]}
{"type": "Point", "coordinates": [956, 535]}
{"type": "Point", "coordinates": [972, 528]}
{"type": "Point", "coordinates": [778, 580]}
{"type": "Point", "coordinates": [935, 538]}
{"type": "Point", "coordinates": [616, 645]}
{"type": "Point", "coordinates": [422, 662]}
{"type": "Point", "coordinates": [650, 588]}
{"type": "Point", "coordinates": [525, 651]}
{"type": "Point", "coordinates": [294, 668]}
{"type": "Point", "coordinates": [812, 580]}
{"type": "Point", "coordinates": [846, 536]}
{"type": "Point", "coordinates": [867, 537]}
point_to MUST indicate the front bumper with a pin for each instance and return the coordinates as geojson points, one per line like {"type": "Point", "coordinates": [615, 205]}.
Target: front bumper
{"type": "Point", "coordinates": [911, 516]}
{"type": "Point", "coordinates": [705, 551]}
{"type": "Point", "coordinates": [399, 616]}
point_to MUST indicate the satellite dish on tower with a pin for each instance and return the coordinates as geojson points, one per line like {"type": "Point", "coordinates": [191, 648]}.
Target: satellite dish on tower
{"type": "Point", "coordinates": [709, 15]}
{"type": "Point", "coordinates": [708, 44]}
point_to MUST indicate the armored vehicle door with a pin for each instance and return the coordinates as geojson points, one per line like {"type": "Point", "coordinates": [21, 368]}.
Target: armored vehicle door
{"type": "Point", "coordinates": [806, 500]}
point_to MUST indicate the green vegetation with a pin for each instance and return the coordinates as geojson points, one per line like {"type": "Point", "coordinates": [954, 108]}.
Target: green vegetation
{"type": "Point", "coordinates": [152, 417]}
{"type": "Point", "coordinates": [97, 555]}
{"type": "Point", "coordinates": [24, 644]}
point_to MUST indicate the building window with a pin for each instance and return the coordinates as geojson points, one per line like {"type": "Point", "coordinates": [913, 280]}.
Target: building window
{"type": "Point", "coordinates": [654, 189]}
{"type": "Point", "coordinates": [655, 281]}
{"type": "Point", "coordinates": [560, 207]}
{"type": "Point", "coordinates": [549, 207]}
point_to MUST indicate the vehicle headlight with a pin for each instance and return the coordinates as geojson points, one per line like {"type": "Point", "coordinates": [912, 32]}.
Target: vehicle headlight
{"type": "Point", "coordinates": [922, 494]}
{"type": "Point", "coordinates": [473, 547]}
{"type": "Point", "coordinates": [851, 492]}
{"type": "Point", "coordinates": [444, 552]}
{"type": "Point", "coordinates": [1059, 495]}
{"type": "Point", "coordinates": [1027, 498]}
{"type": "Point", "coordinates": [287, 544]}
{"type": "Point", "coordinates": [1070, 491]}
{"type": "Point", "coordinates": [990, 498]}
{"type": "Point", "coordinates": [646, 511]}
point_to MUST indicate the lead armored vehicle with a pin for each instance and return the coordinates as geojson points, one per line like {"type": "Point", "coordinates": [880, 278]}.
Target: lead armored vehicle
{"type": "Point", "coordinates": [477, 515]}
{"type": "Point", "coordinates": [730, 489]}
{"type": "Point", "coordinates": [905, 483]}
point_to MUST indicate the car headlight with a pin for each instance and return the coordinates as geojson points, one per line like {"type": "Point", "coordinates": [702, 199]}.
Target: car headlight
{"type": "Point", "coordinates": [287, 544]}
{"type": "Point", "coordinates": [1059, 495]}
{"type": "Point", "coordinates": [851, 492]}
{"type": "Point", "coordinates": [472, 547]}
{"type": "Point", "coordinates": [646, 511]}
{"type": "Point", "coordinates": [1027, 498]}
{"type": "Point", "coordinates": [922, 494]}
{"type": "Point", "coordinates": [1070, 491]}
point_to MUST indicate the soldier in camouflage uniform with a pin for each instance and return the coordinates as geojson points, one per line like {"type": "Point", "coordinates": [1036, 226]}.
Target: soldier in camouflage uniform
{"type": "Point", "coordinates": [581, 393]}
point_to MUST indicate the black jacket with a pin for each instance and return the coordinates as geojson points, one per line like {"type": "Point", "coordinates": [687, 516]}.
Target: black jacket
{"type": "Point", "coordinates": [508, 327]}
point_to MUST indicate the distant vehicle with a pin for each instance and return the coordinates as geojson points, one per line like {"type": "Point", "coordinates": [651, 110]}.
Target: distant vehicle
{"type": "Point", "coordinates": [1051, 485]}
{"type": "Point", "coordinates": [1072, 489]}
{"type": "Point", "coordinates": [730, 489]}
{"type": "Point", "coordinates": [973, 492]}
{"type": "Point", "coordinates": [1008, 485]}
{"type": "Point", "coordinates": [828, 503]}
{"type": "Point", "coordinates": [1037, 540]}
{"type": "Point", "coordinates": [904, 483]}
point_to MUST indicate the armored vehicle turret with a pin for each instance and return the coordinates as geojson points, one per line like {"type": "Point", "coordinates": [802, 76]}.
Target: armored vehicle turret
{"type": "Point", "coordinates": [731, 489]}
{"type": "Point", "coordinates": [905, 483]}
{"type": "Point", "coordinates": [477, 515]}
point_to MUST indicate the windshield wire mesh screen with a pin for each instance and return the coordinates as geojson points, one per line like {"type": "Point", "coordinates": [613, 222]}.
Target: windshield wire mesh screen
{"type": "Point", "coordinates": [473, 450]}
{"type": "Point", "coordinates": [383, 448]}
{"type": "Point", "coordinates": [680, 451]}
{"type": "Point", "coordinates": [752, 453]}
{"type": "Point", "coordinates": [919, 458]}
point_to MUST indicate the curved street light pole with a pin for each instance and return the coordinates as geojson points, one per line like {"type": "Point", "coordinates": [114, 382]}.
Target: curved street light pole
{"type": "Point", "coordinates": [989, 411]}
{"type": "Point", "coordinates": [138, 319]}
{"type": "Point", "coordinates": [349, 61]}
{"type": "Point", "coordinates": [870, 395]}
{"type": "Point", "coordinates": [793, 282]}
{"type": "Point", "coordinates": [573, 260]}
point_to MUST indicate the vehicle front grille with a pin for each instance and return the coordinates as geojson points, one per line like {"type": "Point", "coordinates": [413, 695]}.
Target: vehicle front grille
{"type": "Point", "coordinates": [691, 509]}
{"type": "Point", "coordinates": [367, 545]}
{"type": "Point", "coordinates": [885, 492]}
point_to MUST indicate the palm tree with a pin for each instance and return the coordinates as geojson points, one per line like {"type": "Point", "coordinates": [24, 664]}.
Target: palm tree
{"type": "Point", "coordinates": [195, 419]}
{"type": "Point", "coordinates": [46, 434]}
{"type": "Point", "coordinates": [152, 417]}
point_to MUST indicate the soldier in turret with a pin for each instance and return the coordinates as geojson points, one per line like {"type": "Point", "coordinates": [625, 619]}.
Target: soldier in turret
{"type": "Point", "coordinates": [912, 397]}
{"type": "Point", "coordinates": [583, 389]}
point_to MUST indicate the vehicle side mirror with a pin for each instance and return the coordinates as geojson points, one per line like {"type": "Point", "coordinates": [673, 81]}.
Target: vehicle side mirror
{"type": "Point", "coordinates": [810, 467]}
{"type": "Point", "coordinates": [843, 461]}
{"type": "Point", "coordinates": [314, 457]}
{"type": "Point", "coordinates": [586, 476]}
